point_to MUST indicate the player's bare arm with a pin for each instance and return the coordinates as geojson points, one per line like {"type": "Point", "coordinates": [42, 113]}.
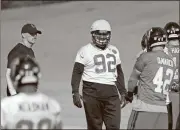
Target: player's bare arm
{"type": "Point", "coordinates": [12, 55]}
{"type": "Point", "coordinates": [10, 85]}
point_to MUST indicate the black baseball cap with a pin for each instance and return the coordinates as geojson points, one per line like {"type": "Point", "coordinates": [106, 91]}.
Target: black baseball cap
{"type": "Point", "coordinates": [30, 28]}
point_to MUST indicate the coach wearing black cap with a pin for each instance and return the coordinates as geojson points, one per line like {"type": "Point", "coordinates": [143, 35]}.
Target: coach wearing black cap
{"type": "Point", "coordinates": [29, 35]}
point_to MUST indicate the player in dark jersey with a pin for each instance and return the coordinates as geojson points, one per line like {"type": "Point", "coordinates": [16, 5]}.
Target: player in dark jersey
{"type": "Point", "coordinates": [173, 34]}
{"type": "Point", "coordinates": [29, 35]}
{"type": "Point", "coordinates": [154, 71]}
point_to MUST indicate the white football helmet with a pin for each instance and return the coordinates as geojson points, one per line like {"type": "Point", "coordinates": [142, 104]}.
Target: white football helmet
{"type": "Point", "coordinates": [101, 33]}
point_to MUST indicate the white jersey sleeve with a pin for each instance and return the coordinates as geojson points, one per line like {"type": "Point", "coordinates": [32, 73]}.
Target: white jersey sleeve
{"type": "Point", "coordinates": [81, 56]}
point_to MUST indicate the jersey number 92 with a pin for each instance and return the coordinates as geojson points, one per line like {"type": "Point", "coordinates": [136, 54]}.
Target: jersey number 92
{"type": "Point", "coordinates": [103, 65]}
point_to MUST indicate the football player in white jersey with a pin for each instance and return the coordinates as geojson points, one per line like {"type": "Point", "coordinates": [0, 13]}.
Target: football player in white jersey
{"type": "Point", "coordinates": [98, 64]}
{"type": "Point", "coordinates": [28, 109]}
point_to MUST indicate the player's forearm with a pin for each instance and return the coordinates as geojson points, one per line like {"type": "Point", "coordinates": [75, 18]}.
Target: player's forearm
{"type": "Point", "coordinates": [133, 80]}
{"type": "Point", "coordinates": [9, 82]}
{"type": "Point", "coordinates": [76, 76]}
{"type": "Point", "coordinates": [120, 80]}
{"type": "Point", "coordinates": [132, 84]}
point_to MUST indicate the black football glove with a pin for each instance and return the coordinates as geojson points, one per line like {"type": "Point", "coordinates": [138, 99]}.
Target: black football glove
{"type": "Point", "coordinates": [175, 87]}
{"type": "Point", "coordinates": [123, 100]}
{"type": "Point", "coordinates": [129, 97]}
{"type": "Point", "coordinates": [77, 100]}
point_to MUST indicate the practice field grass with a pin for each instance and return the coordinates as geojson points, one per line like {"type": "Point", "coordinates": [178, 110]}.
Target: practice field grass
{"type": "Point", "coordinates": [66, 28]}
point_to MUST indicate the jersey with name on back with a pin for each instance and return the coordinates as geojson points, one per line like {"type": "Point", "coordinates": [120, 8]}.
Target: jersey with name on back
{"type": "Point", "coordinates": [174, 51]}
{"type": "Point", "coordinates": [157, 71]}
{"type": "Point", "coordinates": [26, 111]}
{"type": "Point", "coordinates": [100, 65]}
